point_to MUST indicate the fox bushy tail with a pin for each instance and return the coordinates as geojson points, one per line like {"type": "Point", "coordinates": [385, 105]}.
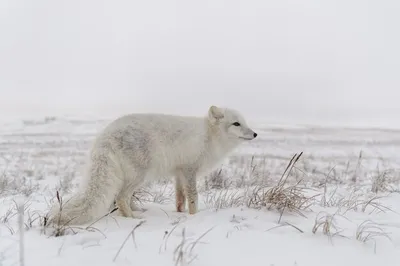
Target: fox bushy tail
{"type": "Point", "coordinates": [97, 193]}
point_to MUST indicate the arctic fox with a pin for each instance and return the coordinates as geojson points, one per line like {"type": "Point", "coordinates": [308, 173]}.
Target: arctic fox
{"type": "Point", "coordinates": [139, 147]}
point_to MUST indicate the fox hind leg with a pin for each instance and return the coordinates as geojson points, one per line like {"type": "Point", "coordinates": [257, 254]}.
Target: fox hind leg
{"type": "Point", "coordinates": [124, 199]}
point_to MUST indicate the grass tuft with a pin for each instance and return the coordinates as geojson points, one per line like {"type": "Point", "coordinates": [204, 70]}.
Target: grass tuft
{"type": "Point", "coordinates": [282, 197]}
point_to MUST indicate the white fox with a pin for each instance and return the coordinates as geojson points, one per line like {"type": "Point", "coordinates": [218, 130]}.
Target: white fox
{"type": "Point", "coordinates": [139, 147]}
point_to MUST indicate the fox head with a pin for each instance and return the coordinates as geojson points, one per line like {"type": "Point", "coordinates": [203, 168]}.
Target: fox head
{"type": "Point", "coordinates": [230, 123]}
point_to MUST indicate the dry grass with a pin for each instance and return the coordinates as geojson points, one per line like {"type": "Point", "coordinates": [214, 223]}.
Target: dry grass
{"type": "Point", "coordinates": [328, 224]}
{"type": "Point", "coordinates": [369, 231]}
{"type": "Point", "coordinates": [132, 235]}
{"type": "Point", "coordinates": [17, 186]}
{"type": "Point", "coordinates": [224, 198]}
{"type": "Point", "coordinates": [160, 192]}
{"type": "Point", "coordinates": [217, 179]}
{"type": "Point", "coordinates": [33, 218]}
{"type": "Point", "coordinates": [8, 215]}
{"type": "Point", "coordinates": [184, 251]}
{"type": "Point", "coordinates": [282, 197]}
{"type": "Point", "coordinates": [384, 181]}
{"type": "Point", "coordinates": [166, 237]}
{"type": "Point", "coordinates": [60, 228]}
{"type": "Point", "coordinates": [286, 224]}
{"type": "Point", "coordinates": [356, 200]}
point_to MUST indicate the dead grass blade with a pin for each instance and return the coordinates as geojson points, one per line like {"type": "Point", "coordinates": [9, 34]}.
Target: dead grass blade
{"type": "Point", "coordinates": [132, 234]}
{"type": "Point", "coordinates": [368, 231]}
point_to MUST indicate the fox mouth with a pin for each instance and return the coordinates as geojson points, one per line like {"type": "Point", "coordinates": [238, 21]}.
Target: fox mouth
{"type": "Point", "coordinates": [245, 138]}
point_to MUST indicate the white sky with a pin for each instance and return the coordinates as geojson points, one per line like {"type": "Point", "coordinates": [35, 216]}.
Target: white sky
{"type": "Point", "coordinates": [302, 61]}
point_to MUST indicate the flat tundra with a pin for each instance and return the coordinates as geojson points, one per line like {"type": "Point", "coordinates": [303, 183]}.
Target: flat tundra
{"type": "Point", "coordinates": [139, 147]}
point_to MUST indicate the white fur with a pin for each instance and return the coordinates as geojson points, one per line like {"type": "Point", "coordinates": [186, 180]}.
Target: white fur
{"type": "Point", "coordinates": [139, 147]}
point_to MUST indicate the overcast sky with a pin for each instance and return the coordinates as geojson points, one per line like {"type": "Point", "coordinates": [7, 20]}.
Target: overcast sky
{"type": "Point", "coordinates": [294, 60]}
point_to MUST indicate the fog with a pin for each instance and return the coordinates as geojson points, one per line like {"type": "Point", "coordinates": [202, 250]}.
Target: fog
{"type": "Point", "coordinates": [308, 61]}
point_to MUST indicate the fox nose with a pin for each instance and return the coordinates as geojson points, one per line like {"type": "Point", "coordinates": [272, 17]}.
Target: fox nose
{"type": "Point", "coordinates": [255, 134]}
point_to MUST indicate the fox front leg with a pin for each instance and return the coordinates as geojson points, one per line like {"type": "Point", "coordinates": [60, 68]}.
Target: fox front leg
{"type": "Point", "coordinates": [191, 189]}
{"type": "Point", "coordinates": [180, 197]}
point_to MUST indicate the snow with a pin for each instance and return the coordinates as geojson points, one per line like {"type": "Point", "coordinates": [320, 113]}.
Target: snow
{"type": "Point", "coordinates": [41, 156]}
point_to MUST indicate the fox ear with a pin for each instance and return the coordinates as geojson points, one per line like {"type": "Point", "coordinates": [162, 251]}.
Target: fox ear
{"type": "Point", "coordinates": [215, 114]}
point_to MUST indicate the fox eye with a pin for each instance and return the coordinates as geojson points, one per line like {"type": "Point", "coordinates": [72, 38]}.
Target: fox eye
{"type": "Point", "coordinates": [236, 124]}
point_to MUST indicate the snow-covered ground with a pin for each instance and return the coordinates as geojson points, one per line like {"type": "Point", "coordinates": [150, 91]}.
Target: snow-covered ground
{"type": "Point", "coordinates": [352, 219]}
